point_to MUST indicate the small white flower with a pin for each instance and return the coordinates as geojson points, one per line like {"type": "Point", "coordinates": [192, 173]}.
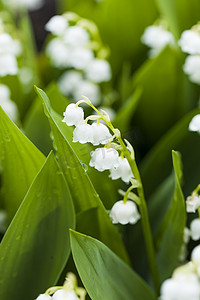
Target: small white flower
{"type": "Point", "coordinates": [79, 58]}
{"type": "Point", "coordinates": [98, 70]}
{"type": "Point", "coordinates": [8, 45]}
{"type": "Point", "coordinates": [104, 159]}
{"type": "Point", "coordinates": [195, 229]}
{"type": "Point", "coordinates": [190, 42]}
{"type": "Point", "coordinates": [192, 203]}
{"type": "Point", "coordinates": [57, 25]}
{"type": "Point", "coordinates": [7, 104]}
{"type": "Point", "coordinates": [124, 213]}
{"type": "Point", "coordinates": [101, 134]}
{"type": "Point", "coordinates": [195, 123]}
{"type": "Point", "coordinates": [192, 68]}
{"type": "Point", "coordinates": [90, 89]}
{"type": "Point", "coordinates": [157, 38]}
{"type": "Point", "coordinates": [195, 257]}
{"type": "Point", "coordinates": [64, 295]}
{"type": "Point", "coordinates": [186, 235]}
{"type": "Point", "coordinates": [69, 82]}
{"type": "Point", "coordinates": [43, 297]}
{"type": "Point", "coordinates": [76, 36]}
{"type": "Point", "coordinates": [58, 53]}
{"type": "Point", "coordinates": [123, 170]}
{"type": "Point", "coordinates": [8, 65]}
{"type": "Point", "coordinates": [83, 133]}
{"type": "Point", "coordinates": [73, 115]}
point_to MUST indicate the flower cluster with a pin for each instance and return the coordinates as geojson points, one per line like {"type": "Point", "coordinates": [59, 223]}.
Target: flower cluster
{"type": "Point", "coordinates": [157, 38]}
{"type": "Point", "coordinates": [69, 291]}
{"type": "Point", "coordinates": [185, 281]}
{"type": "Point", "coordinates": [10, 49]}
{"type": "Point", "coordinates": [103, 158]}
{"type": "Point", "coordinates": [21, 4]}
{"type": "Point", "coordinates": [190, 43]}
{"type": "Point", "coordinates": [7, 104]}
{"type": "Point", "coordinates": [80, 52]}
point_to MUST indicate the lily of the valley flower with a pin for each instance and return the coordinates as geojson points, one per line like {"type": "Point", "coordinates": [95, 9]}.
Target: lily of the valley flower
{"type": "Point", "coordinates": [57, 25]}
{"type": "Point", "coordinates": [195, 123]}
{"type": "Point", "coordinates": [192, 203]}
{"type": "Point", "coordinates": [122, 171]}
{"type": "Point", "coordinates": [73, 115]}
{"type": "Point", "coordinates": [98, 70]}
{"type": "Point", "coordinates": [124, 212]}
{"type": "Point", "coordinates": [64, 295]}
{"type": "Point", "coordinates": [195, 229]}
{"type": "Point", "coordinates": [83, 133]}
{"type": "Point", "coordinates": [190, 42]}
{"type": "Point", "coordinates": [104, 159]}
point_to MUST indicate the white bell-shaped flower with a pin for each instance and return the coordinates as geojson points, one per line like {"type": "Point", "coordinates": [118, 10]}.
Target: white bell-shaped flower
{"type": "Point", "coordinates": [123, 170]}
{"type": "Point", "coordinates": [58, 53]}
{"type": "Point", "coordinates": [76, 36]}
{"type": "Point", "coordinates": [195, 257]}
{"type": "Point", "coordinates": [191, 67]}
{"type": "Point", "coordinates": [195, 123]}
{"type": "Point", "coordinates": [124, 213]}
{"type": "Point", "coordinates": [98, 70]}
{"type": "Point", "coordinates": [92, 90]}
{"type": "Point", "coordinates": [57, 25]}
{"type": "Point", "coordinates": [8, 65]}
{"type": "Point", "coordinates": [101, 134]}
{"type": "Point", "coordinates": [8, 45]}
{"type": "Point", "coordinates": [104, 159]}
{"type": "Point", "coordinates": [192, 203]}
{"type": "Point", "coordinates": [79, 58]}
{"type": "Point", "coordinates": [64, 295]}
{"type": "Point", "coordinates": [43, 297]}
{"type": "Point", "coordinates": [157, 38]}
{"type": "Point", "coordinates": [73, 115]}
{"type": "Point", "coordinates": [195, 229]}
{"type": "Point", "coordinates": [190, 42]}
{"type": "Point", "coordinates": [183, 286]}
{"type": "Point", "coordinates": [83, 133]}
{"type": "Point", "coordinates": [69, 82]}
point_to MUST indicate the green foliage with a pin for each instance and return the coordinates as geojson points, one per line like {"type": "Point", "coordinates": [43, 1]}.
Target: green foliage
{"type": "Point", "coordinates": [104, 275]}
{"type": "Point", "coordinates": [36, 246]}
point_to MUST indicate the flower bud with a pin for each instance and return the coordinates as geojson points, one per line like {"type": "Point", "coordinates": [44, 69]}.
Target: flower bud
{"type": "Point", "coordinates": [73, 115]}
{"type": "Point", "coordinates": [124, 212]}
{"type": "Point", "coordinates": [195, 229]}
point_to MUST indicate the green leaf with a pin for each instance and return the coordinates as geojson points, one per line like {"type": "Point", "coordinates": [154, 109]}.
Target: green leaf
{"type": "Point", "coordinates": [20, 161]}
{"type": "Point", "coordinates": [83, 193]}
{"type": "Point", "coordinates": [170, 237]}
{"type": "Point", "coordinates": [36, 246]}
{"type": "Point", "coordinates": [103, 274]}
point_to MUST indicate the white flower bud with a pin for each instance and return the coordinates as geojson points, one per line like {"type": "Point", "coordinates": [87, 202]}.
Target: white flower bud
{"type": "Point", "coordinates": [69, 82]}
{"type": "Point", "coordinates": [195, 123]}
{"type": "Point", "coordinates": [43, 297]}
{"type": "Point", "coordinates": [57, 25]}
{"type": "Point", "coordinates": [92, 90]}
{"type": "Point", "coordinates": [101, 134]}
{"type": "Point", "coordinates": [104, 159]}
{"type": "Point", "coordinates": [73, 115]}
{"type": "Point", "coordinates": [192, 68]}
{"type": "Point", "coordinates": [192, 203]}
{"type": "Point", "coordinates": [123, 170]}
{"type": "Point", "coordinates": [64, 295]}
{"type": "Point", "coordinates": [98, 70]}
{"type": "Point", "coordinates": [83, 133]}
{"type": "Point", "coordinates": [76, 36]}
{"type": "Point", "coordinates": [195, 229]}
{"type": "Point", "coordinates": [157, 38]}
{"type": "Point", "coordinates": [195, 256]}
{"type": "Point", "coordinates": [124, 213]}
{"type": "Point", "coordinates": [190, 42]}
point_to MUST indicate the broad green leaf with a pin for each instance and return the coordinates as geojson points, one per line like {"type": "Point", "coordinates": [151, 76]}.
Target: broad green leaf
{"type": "Point", "coordinates": [156, 166]}
{"type": "Point", "coordinates": [36, 246]}
{"type": "Point", "coordinates": [20, 161]}
{"type": "Point", "coordinates": [170, 237]}
{"type": "Point", "coordinates": [162, 102]}
{"type": "Point", "coordinates": [180, 14]}
{"type": "Point", "coordinates": [125, 114]}
{"type": "Point", "coordinates": [81, 188]}
{"type": "Point", "coordinates": [121, 25]}
{"type": "Point", "coordinates": [103, 274]}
